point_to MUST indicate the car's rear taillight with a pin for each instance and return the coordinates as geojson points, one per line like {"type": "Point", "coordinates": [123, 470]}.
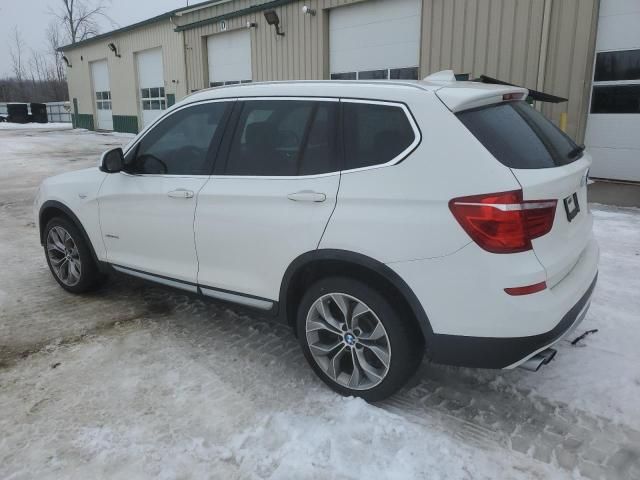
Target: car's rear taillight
{"type": "Point", "coordinates": [503, 222]}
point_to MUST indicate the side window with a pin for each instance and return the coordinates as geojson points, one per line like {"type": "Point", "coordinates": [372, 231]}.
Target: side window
{"type": "Point", "coordinates": [284, 138]}
{"type": "Point", "coordinates": [374, 134]}
{"type": "Point", "coordinates": [179, 144]}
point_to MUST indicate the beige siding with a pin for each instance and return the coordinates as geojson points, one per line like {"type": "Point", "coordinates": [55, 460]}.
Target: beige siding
{"type": "Point", "coordinates": [498, 38]}
{"type": "Point", "coordinates": [122, 71]}
{"type": "Point", "coordinates": [570, 61]}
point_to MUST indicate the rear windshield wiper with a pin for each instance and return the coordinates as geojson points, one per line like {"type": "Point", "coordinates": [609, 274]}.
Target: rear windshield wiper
{"type": "Point", "coordinates": [576, 151]}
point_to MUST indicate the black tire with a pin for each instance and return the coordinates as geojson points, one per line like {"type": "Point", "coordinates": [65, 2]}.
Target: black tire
{"type": "Point", "coordinates": [404, 338]}
{"type": "Point", "coordinates": [90, 276]}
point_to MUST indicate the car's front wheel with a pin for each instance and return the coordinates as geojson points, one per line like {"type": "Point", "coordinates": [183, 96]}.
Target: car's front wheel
{"type": "Point", "coordinates": [69, 256]}
{"type": "Point", "coordinates": [355, 340]}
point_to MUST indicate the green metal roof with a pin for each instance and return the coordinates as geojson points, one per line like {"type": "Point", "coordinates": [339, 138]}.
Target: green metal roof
{"type": "Point", "coordinates": [134, 26]}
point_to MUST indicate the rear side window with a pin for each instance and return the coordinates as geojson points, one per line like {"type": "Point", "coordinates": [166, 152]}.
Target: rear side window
{"type": "Point", "coordinates": [519, 136]}
{"type": "Point", "coordinates": [284, 138]}
{"type": "Point", "coordinates": [374, 134]}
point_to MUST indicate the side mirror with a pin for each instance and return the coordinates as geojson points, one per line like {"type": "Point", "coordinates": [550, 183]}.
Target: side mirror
{"type": "Point", "coordinates": [112, 161]}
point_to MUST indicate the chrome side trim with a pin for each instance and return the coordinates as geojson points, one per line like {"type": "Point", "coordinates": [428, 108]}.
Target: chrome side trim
{"type": "Point", "coordinates": [241, 299]}
{"type": "Point", "coordinates": [153, 278]}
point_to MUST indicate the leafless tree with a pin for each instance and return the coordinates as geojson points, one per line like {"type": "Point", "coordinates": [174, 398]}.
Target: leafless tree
{"type": "Point", "coordinates": [16, 49]}
{"type": "Point", "coordinates": [54, 41]}
{"type": "Point", "coordinates": [80, 17]}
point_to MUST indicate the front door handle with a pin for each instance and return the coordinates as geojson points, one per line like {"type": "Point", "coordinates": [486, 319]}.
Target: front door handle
{"type": "Point", "coordinates": [307, 196]}
{"type": "Point", "coordinates": [180, 193]}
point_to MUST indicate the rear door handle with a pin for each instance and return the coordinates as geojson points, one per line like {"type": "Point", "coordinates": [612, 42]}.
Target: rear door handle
{"type": "Point", "coordinates": [307, 196]}
{"type": "Point", "coordinates": [180, 193]}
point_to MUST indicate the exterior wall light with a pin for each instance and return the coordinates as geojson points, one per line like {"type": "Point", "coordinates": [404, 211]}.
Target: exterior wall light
{"type": "Point", "coordinates": [272, 19]}
{"type": "Point", "coordinates": [66, 60]}
{"type": "Point", "coordinates": [252, 24]}
{"type": "Point", "coordinates": [308, 10]}
{"type": "Point", "coordinates": [114, 49]}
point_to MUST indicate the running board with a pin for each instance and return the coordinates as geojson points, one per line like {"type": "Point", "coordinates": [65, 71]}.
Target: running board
{"type": "Point", "coordinates": [538, 360]}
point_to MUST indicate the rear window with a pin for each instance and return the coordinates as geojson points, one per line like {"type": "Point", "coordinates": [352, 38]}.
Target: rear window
{"type": "Point", "coordinates": [519, 136]}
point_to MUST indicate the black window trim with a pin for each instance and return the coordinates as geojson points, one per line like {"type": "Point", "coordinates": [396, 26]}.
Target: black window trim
{"type": "Point", "coordinates": [224, 151]}
{"type": "Point", "coordinates": [214, 147]}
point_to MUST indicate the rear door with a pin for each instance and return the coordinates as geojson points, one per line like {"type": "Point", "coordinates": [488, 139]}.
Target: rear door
{"type": "Point", "coordinates": [549, 166]}
{"type": "Point", "coordinates": [271, 200]}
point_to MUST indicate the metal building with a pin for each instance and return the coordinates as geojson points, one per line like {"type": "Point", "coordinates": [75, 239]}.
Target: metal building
{"type": "Point", "coordinates": [123, 79]}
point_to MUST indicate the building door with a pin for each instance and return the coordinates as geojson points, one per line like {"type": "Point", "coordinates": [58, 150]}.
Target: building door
{"type": "Point", "coordinates": [151, 85]}
{"type": "Point", "coordinates": [375, 40]}
{"type": "Point", "coordinates": [614, 116]}
{"type": "Point", "coordinates": [229, 57]}
{"type": "Point", "coordinates": [102, 95]}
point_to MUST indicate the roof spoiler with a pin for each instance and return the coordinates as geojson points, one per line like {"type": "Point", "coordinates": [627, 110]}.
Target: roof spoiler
{"type": "Point", "coordinates": [448, 76]}
{"type": "Point", "coordinates": [533, 94]}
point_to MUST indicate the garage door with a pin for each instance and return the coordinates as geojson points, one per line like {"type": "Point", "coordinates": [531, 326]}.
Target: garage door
{"type": "Point", "coordinates": [151, 85]}
{"type": "Point", "coordinates": [614, 117]}
{"type": "Point", "coordinates": [102, 95]}
{"type": "Point", "coordinates": [378, 39]}
{"type": "Point", "coordinates": [229, 56]}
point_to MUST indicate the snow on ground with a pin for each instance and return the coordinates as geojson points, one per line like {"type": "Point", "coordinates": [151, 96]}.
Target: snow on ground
{"type": "Point", "coordinates": [34, 126]}
{"type": "Point", "coordinates": [138, 382]}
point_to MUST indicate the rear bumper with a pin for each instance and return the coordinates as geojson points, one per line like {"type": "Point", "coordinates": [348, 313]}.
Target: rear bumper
{"type": "Point", "coordinates": [505, 352]}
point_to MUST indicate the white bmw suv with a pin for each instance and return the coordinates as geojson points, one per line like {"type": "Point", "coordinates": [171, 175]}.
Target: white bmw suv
{"type": "Point", "coordinates": [383, 221]}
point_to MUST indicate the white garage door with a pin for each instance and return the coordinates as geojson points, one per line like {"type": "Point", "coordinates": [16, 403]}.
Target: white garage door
{"type": "Point", "coordinates": [378, 39]}
{"type": "Point", "coordinates": [614, 119]}
{"type": "Point", "coordinates": [229, 56]}
{"type": "Point", "coordinates": [151, 85]}
{"type": "Point", "coordinates": [102, 95]}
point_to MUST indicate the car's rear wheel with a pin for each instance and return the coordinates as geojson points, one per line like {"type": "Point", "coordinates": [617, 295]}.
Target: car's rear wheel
{"type": "Point", "coordinates": [355, 340]}
{"type": "Point", "coordinates": [69, 256]}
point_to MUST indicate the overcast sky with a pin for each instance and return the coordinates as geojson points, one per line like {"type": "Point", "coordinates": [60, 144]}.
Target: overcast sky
{"type": "Point", "coordinates": [31, 18]}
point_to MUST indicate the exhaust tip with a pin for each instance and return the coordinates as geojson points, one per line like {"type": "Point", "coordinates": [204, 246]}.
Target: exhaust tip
{"type": "Point", "coordinates": [538, 360]}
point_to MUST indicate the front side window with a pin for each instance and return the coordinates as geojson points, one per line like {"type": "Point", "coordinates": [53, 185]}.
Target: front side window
{"type": "Point", "coordinates": [374, 134]}
{"type": "Point", "coordinates": [180, 144]}
{"type": "Point", "coordinates": [284, 138]}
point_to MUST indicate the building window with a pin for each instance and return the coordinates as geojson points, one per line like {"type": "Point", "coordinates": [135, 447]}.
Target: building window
{"type": "Point", "coordinates": [103, 100]}
{"type": "Point", "coordinates": [406, 73]}
{"type": "Point", "coordinates": [153, 98]}
{"type": "Point", "coordinates": [228, 82]}
{"type": "Point", "coordinates": [616, 83]}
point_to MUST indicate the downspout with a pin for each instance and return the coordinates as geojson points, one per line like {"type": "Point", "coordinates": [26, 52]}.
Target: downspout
{"type": "Point", "coordinates": [184, 59]}
{"type": "Point", "coordinates": [544, 46]}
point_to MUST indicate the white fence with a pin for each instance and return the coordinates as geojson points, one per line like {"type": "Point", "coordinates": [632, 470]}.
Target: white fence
{"type": "Point", "coordinates": [58, 112]}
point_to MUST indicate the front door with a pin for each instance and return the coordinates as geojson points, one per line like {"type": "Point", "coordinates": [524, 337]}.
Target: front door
{"type": "Point", "coordinates": [271, 200]}
{"type": "Point", "coordinates": [147, 211]}
{"type": "Point", "coordinates": [102, 95]}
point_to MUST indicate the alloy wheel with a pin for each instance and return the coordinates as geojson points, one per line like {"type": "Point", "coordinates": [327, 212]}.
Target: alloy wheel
{"type": "Point", "coordinates": [64, 256]}
{"type": "Point", "coordinates": [348, 341]}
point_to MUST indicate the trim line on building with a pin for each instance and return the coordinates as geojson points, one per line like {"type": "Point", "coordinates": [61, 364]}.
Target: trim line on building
{"type": "Point", "coordinates": [236, 13]}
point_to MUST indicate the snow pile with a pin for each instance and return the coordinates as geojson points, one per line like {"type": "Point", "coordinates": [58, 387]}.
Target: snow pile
{"type": "Point", "coordinates": [35, 126]}
{"type": "Point", "coordinates": [334, 437]}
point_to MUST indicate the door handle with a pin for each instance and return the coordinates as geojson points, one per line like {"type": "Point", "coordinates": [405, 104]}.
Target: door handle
{"type": "Point", "coordinates": [180, 193]}
{"type": "Point", "coordinates": [307, 196]}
